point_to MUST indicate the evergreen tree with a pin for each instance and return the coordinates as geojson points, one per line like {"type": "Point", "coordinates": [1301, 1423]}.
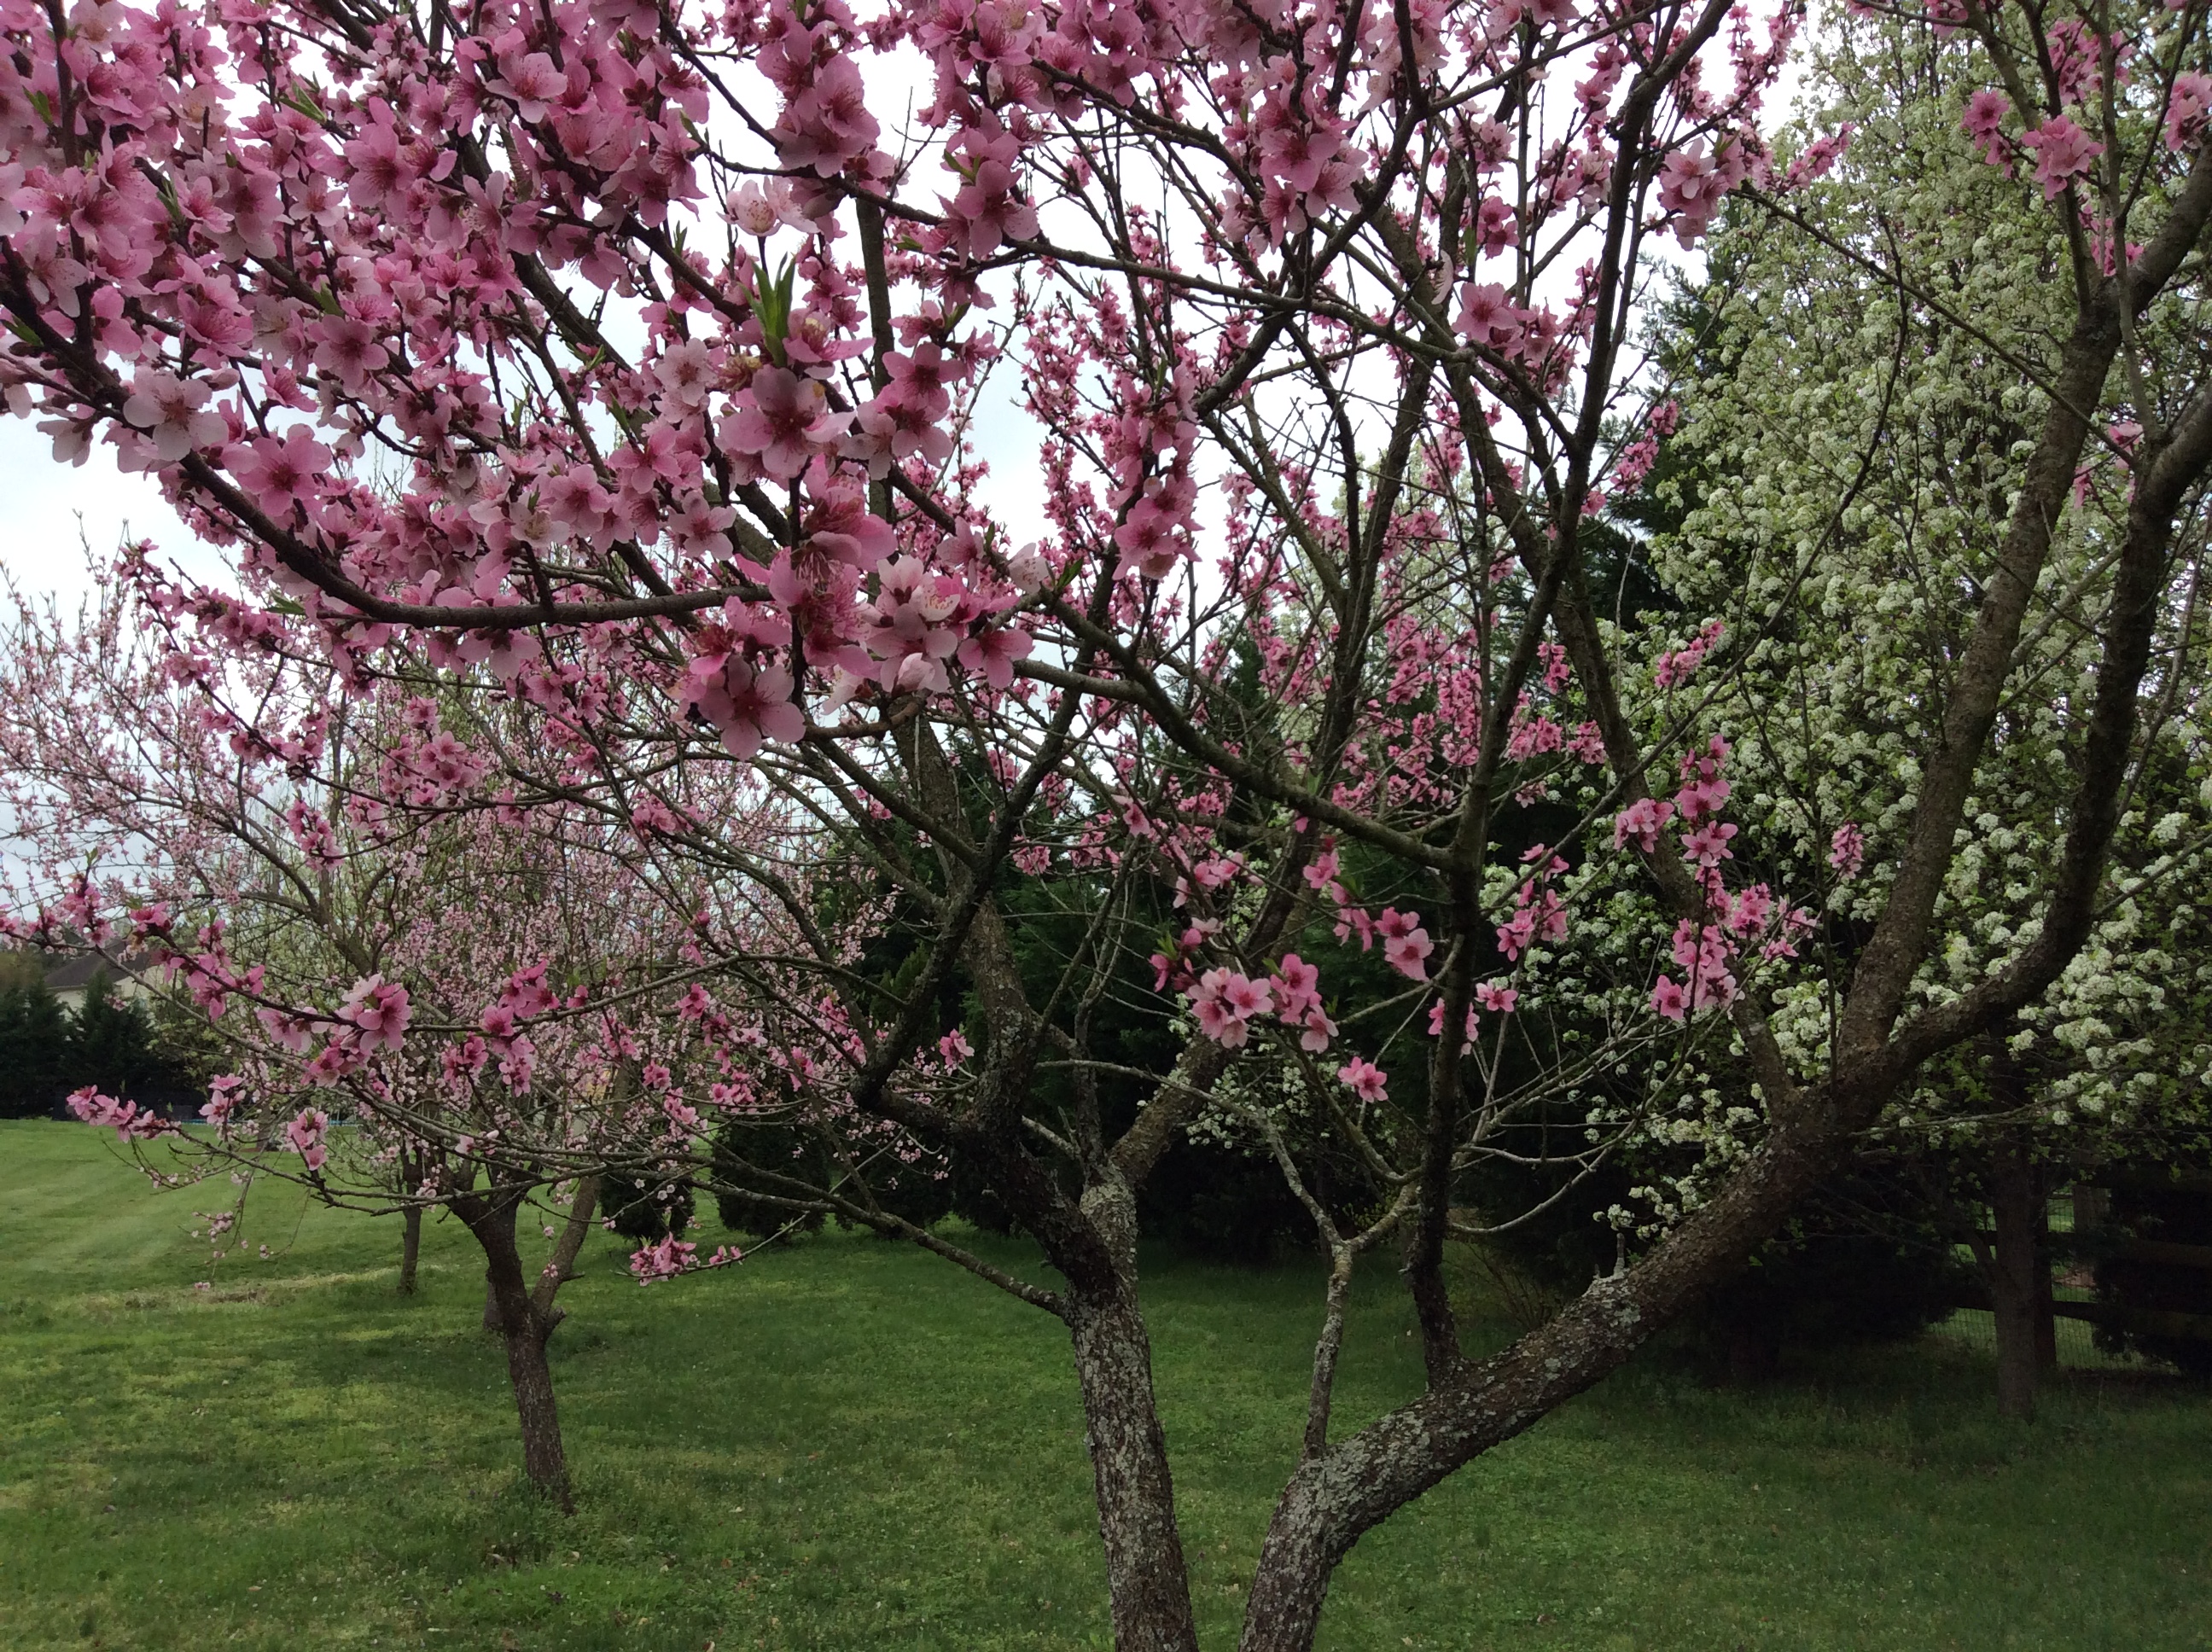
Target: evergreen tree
{"type": "Point", "coordinates": [111, 1042]}
{"type": "Point", "coordinates": [34, 1049]}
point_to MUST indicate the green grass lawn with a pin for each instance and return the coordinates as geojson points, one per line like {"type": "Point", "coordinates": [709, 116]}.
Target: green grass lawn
{"type": "Point", "coordinates": [848, 1444]}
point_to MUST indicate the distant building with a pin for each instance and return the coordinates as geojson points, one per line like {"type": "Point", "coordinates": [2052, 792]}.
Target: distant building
{"type": "Point", "coordinates": [69, 975]}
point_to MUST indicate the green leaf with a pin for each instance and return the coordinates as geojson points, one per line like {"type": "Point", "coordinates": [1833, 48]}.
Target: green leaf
{"type": "Point", "coordinates": [772, 305]}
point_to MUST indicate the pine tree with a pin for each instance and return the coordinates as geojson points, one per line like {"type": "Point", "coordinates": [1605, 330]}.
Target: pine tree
{"type": "Point", "coordinates": [34, 1049]}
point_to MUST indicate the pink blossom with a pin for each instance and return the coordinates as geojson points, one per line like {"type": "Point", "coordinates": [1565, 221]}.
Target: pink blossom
{"type": "Point", "coordinates": [759, 206]}
{"type": "Point", "coordinates": [1749, 911]}
{"type": "Point", "coordinates": [533, 81]}
{"type": "Point", "coordinates": [306, 1133]}
{"type": "Point", "coordinates": [1692, 184]}
{"type": "Point", "coordinates": [289, 1032]}
{"type": "Point", "coordinates": [1318, 1030]}
{"type": "Point", "coordinates": [1641, 823]}
{"type": "Point", "coordinates": [94, 1108]}
{"type": "Point", "coordinates": [664, 1260]}
{"type": "Point", "coordinates": [1984, 121]}
{"type": "Point", "coordinates": [1225, 1001]}
{"type": "Point", "coordinates": [174, 412]}
{"type": "Point", "coordinates": [1405, 944]}
{"type": "Point", "coordinates": [1487, 316]}
{"type": "Point", "coordinates": [1708, 845]}
{"type": "Point", "coordinates": [1408, 954]}
{"type": "Point", "coordinates": [2062, 153]}
{"type": "Point", "coordinates": [1671, 670]}
{"type": "Point", "coordinates": [381, 1009]}
{"type": "Point", "coordinates": [1846, 849]}
{"type": "Point", "coordinates": [686, 372]}
{"type": "Point", "coordinates": [1702, 798]}
{"type": "Point", "coordinates": [992, 653]}
{"type": "Point", "coordinates": [279, 474]}
{"type": "Point", "coordinates": [223, 1098]}
{"type": "Point", "coordinates": [780, 421]}
{"type": "Point", "coordinates": [346, 348]}
{"type": "Point", "coordinates": [1321, 875]}
{"type": "Point", "coordinates": [1366, 1080]}
{"type": "Point", "coordinates": [746, 703]}
{"type": "Point", "coordinates": [1495, 227]}
{"type": "Point", "coordinates": [1497, 997]}
{"type": "Point", "coordinates": [1668, 999]}
{"type": "Point", "coordinates": [1246, 998]}
{"type": "Point", "coordinates": [1436, 1024]}
{"type": "Point", "coordinates": [2187, 106]}
{"type": "Point", "coordinates": [827, 122]}
{"type": "Point", "coordinates": [1819, 156]}
{"type": "Point", "coordinates": [1296, 987]}
{"type": "Point", "coordinates": [1517, 933]}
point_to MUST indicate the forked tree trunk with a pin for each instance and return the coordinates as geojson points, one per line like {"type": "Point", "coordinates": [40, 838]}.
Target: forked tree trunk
{"type": "Point", "coordinates": [1147, 1583]}
{"type": "Point", "coordinates": [1338, 1496]}
{"type": "Point", "coordinates": [560, 1266]}
{"type": "Point", "coordinates": [411, 1246]}
{"type": "Point", "coordinates": [525, 1327]}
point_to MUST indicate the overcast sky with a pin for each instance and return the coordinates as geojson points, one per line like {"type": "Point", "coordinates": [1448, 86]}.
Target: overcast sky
{"type": "Point", "coordinates": [48, 513]}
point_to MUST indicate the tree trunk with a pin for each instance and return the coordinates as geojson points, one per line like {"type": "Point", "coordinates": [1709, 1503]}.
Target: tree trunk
{"type": "Point", "coordinates": [2014, 1289]}
{"type": "Point", "coordinates": [524, 1328]}
{"type": "Point", "coordinates": [544, 1463]}
{"type": "Point", "coordinates": [411, 1246]}
{"type": "Point", "coordinates": [1146, 1581]}
{"type": "Point", "coordinates": [1336, 1497]}
{"type": "Point", "coordinates": [2046, 1315]}
{"type": "Point", "coordinates": [560, 1267]}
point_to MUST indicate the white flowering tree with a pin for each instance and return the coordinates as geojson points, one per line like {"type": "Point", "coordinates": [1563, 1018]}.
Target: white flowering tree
{"type": "Point", "coordinates": [1859, 426]}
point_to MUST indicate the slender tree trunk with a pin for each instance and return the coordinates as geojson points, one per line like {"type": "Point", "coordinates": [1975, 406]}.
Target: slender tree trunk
{"type": "Point", "coordinates": [1337, 1497]}
{"type": "Point", "coordinates": [1146, 1581]}
{"type": "Point", "coordinates": [525, 1329]}
{"type": "Point", "coordinates": [560, 1267]}
{"type": "Point", "coordinates": [411, 1246]}
{"type": "Point", "coordinates": [2013, 1290]}
{"type": "Point", "coordinates": [2046, 1316]}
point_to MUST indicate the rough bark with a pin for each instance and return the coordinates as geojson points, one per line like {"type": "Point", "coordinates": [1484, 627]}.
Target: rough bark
{"type": "Point", "coordinates": [1147, 1583]}
{"type": "Point", "coordinates": [525, 1329]}
{"type": "Point", "coordinates": [410, 1247]}
{"type": "Point", "coordinates": [1093, 1243]}
{"type": "Point", "coordinates": [1334, 1498]}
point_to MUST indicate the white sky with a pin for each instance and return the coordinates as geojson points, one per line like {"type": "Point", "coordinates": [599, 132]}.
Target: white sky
{"type": "Point", "coordinates": [50, 513]}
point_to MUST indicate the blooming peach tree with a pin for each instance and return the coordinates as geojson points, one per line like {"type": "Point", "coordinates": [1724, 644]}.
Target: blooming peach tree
{"type": "Point", "coordinates": [420, 1004]}
{"type": "Point", "coordinates": [642, 372]}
